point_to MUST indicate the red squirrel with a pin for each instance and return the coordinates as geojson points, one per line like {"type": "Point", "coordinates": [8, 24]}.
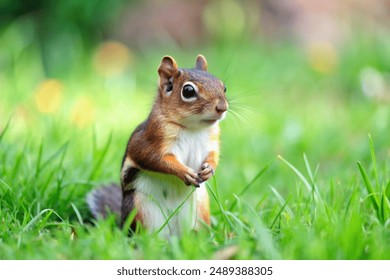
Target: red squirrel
{"type": "Point", "coordinates": [176, 147]}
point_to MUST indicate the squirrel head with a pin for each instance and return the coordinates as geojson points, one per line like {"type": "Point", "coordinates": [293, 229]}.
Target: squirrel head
{"type": "Point", "coordinates": [190, 97]}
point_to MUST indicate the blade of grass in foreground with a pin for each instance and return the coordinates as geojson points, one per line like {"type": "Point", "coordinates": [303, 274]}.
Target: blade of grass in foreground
{"type": "Point", "coordinates": [373, 158]}
{"type": "Point", "coordinates": [174, 212]}
{"type": "Point", "coordinates": [262, 234]}
{"type": "Point", "coordinates": [80, 219]}
{"type": "Point", "coordinates": [376, 203]}
{"type": "Point", "coordinates": [385, 206]}
{"type": "Point", "coordinates": [215, 195]}
{"type": "Point", "coordinates": [247, 187]}
{"type": "Point", "coordinates": [370, 190]}
{"type": "Point", "coordinates": [33, 220]}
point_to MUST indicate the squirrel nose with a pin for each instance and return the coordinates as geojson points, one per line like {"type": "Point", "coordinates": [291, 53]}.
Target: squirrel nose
{"type": "Point", "coordinates": [222, 106]}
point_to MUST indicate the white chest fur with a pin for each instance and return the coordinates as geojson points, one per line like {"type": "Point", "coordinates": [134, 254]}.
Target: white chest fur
{"type": "Point", "coordinates": [192, 147]}
{"type": "Point", "coordinates": [159, 195]}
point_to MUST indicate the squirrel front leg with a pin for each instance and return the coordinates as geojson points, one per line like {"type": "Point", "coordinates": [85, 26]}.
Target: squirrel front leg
{"type": "Point", "coordinates": [167, 164]}
{"type": "Point", "coordinates": [147, 150]}
{"type": "Point", "coordinates": [209, 165]}
{"type": "Point", "coordinates": [170, 165]}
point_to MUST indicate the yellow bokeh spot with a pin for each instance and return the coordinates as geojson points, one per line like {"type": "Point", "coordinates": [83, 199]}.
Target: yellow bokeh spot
{"type": "Point", "coordinates": [111, 58]}
{"type": "Point", "coordinates": [48, 96]}
{"type": "Point", "coordinates": [322, 56]}
{"type": "Point", "coordinates": [83, 112]}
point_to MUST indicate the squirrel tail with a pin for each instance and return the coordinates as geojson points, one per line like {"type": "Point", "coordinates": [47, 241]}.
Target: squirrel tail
{"type": "Point", "coordinates": [105, 200]}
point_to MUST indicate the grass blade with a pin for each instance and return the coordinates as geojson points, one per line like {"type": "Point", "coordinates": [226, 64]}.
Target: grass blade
{"type": "Point", "coordinates": [39, 159]}
{"type": "Point", "coordinates": [311, 188]}
{"type": "Point", "coordinates": [7, 124]}
{"type": "Point", "coordinates": [174, 212]}
{"type": "Point", "coordinates": [370, 190]}
{"type": "Point", "coordinates": [6, 185]}
{"type": "Point", "coordinates": [225, 217]}
{"type": "Point", "coordinates": [262, 234]}
{"type": "Point", "coordinates": [62, 150]}
{"type": "Point", "coordinates": [247, 187]}
{"type": "Point", "coordinates": [312, 175]}
{"type": "Point", "coordinates": [387, 190]}
{"type": "Point", "coordinates": [383, 211]}
{"type": "Point", "coordinates": [161, 209]}
{"type": "Point", "coordinates": [33, 220]}
{"type": "Point", "coordinates": [100, 159]}
{"type": "Point", "coordinates": [373, 157]}
{"type": "Point", "coordinates": [282, 201]}
{"type": "Point", "coordinates": [79, 218]}
{"type": "Point", "coordinates": [126, 228]}
{"type": "Point", "coordinates": [278, 214]}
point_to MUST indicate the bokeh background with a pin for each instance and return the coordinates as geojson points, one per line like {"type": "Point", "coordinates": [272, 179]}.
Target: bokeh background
{"type": "Point", "coordinates": [304, 77]}
{"type": "Point", "coordinates": [301, 69]}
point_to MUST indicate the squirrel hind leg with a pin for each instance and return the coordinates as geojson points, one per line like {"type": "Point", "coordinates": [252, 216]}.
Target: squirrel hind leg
{"type": "Point", "coordinates": [203, 206]}
{"type": "Point", "coordinates": [105, 200]}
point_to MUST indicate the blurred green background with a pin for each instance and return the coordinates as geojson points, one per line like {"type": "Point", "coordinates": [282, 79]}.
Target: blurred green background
{"type": "Point", "coordinates": [297, 67]}
{"type": "Point", "coordinates": [303, 77]}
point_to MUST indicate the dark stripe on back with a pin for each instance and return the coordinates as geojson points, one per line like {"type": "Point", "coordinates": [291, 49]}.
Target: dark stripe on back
{"type": "Point", "coordinates": [129, 176]}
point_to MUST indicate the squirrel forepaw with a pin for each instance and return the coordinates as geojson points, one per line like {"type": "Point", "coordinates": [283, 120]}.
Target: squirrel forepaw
{"type": "Point", "coordinates": [191, 178]}
{"type": "Point", "coordinates": [207, 172]}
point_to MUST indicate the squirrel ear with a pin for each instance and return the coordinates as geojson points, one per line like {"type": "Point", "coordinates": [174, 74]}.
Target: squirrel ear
{"type": "Point", "coordinates": [201, 63]}
{"type": "Point", "coordinates": [168, 68]}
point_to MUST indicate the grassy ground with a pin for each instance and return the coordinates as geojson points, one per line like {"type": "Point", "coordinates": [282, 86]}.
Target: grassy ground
{"type": "Point", "coordinates": [288, 187]}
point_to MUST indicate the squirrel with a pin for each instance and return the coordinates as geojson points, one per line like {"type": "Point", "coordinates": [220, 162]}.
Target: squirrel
{"type": "Point", "coordinates": [176, 147]}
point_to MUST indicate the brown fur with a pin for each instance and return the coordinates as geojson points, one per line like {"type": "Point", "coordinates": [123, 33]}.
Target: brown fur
{"type": "Point", "coordinates": [212, 159]}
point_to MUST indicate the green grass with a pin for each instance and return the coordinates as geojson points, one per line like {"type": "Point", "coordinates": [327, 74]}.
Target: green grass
{"type": "Point", "coordinates": [299, 178]}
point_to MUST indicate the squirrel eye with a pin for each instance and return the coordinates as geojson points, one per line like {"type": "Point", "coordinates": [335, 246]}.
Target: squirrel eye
{"type": "Point", "coordinates": [224, 88]}
{"type": "Point", "coordinates": [189, 92]}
